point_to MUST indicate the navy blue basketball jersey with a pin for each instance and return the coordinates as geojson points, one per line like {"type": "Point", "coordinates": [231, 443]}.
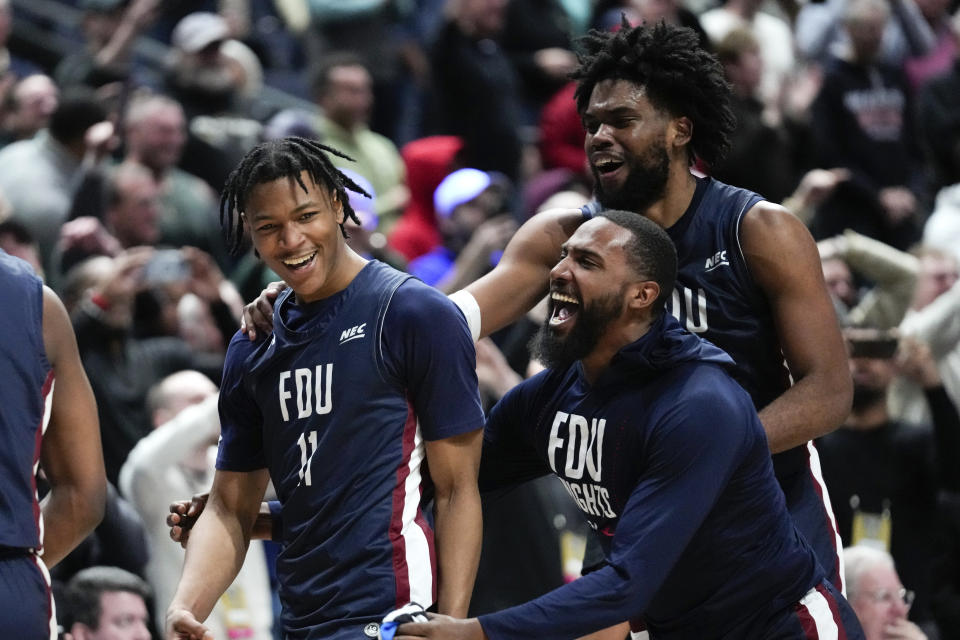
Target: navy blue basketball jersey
{"type": "Point", "coordinates": [24, 401]}
{"type": "Point", "coordinates": [337, 405]}
{"type": "Point", "coordinates": [665, 455]}
{"type": "Point", "coordinates": [717, 298]}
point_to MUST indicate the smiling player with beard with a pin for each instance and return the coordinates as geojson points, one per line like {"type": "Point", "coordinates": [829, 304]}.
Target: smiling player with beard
{"type": "Point", "coordinates": [664, 454]}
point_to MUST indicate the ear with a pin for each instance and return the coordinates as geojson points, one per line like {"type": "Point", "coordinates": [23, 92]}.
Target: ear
{"type": "Point", "coordinates": [341, 214]}
{"type": "Point", "coordinates": [643, 295]}
{"type": "Point", "coordinates": [681, 131]}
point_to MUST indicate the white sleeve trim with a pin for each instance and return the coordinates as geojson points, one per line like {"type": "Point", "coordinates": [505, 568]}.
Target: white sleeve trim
{"type": "Point", "coordinates": [470, 309]}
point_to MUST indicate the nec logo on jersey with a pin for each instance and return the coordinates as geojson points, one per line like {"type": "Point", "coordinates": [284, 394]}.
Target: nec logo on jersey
{"type": "Point", "coordinates": [719, 259]}
{"type": "Point", "coordinates": [353, 333]}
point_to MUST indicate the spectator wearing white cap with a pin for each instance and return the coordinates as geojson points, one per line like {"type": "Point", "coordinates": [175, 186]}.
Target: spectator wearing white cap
{"type": "Point", "coordinates": [208, 71]}
{"type": "Point", "coordinates": [214, 77]}
{"type": "Point", "coordinates": [470, 206]}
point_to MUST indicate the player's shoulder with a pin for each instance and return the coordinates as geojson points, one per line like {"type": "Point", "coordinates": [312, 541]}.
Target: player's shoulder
{"type": "Point", "coordinates": [415, 299]}
{"type": "Point", "coordinates": [703, 403]}
{"type": "Point", "coordinates": [419, 312]}
{"type": "Point", "coordinates": [765, 212]}
{"type": "Point", "coordinates": [769, 226]}
{"type": "Point", "coordinates": [701, 388]}
{"type": "Point", "coordinates": [241, 349]}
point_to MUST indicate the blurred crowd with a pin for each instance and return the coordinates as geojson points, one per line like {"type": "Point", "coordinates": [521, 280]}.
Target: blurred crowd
{"type": "Point", "coordinates": [460, 119]}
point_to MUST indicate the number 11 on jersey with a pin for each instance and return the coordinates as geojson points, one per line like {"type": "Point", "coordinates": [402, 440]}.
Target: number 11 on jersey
{"type": "Point", "coordinates": [308, 446]}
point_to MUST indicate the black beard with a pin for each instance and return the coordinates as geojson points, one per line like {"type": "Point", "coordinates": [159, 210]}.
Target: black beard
{"type": "Point", "coordinates": [646, 182]}
{"type": "Point", "coordinates": [866, 397]}
{"type": "Point", "coordinates": [557, 352]}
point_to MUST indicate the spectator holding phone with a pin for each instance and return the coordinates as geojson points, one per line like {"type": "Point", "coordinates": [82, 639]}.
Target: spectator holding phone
{"type": "Point", "coordinates": [121, 366]}
{"type": "Point", "coordinates": [132, 217]}
{"type": "Point", "coordinates": [884, 475]}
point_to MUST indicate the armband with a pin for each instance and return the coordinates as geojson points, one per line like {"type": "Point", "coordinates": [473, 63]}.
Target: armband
{"type": "Point", "coordinates": [589, 210]}
{"type": "Point", "coordinates": [470, 309]}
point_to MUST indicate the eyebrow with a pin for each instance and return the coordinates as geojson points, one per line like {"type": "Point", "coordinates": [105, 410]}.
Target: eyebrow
{"type": "Point", "coordinates": [616, 111]}
{"type": "Point", "coordinates": [309, 204]}
{"type": "Point", "coordinates": [583, 251]}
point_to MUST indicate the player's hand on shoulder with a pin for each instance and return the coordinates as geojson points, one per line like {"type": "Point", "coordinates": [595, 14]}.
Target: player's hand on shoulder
{"type": "Point", "coordinates": [182, 625]}
{"type": "Point", "coordinates": [258, 315]}
{"type": "Point", "coordinates": [183, 515]}
{"type": "Point", "coordinates": [442, 628]}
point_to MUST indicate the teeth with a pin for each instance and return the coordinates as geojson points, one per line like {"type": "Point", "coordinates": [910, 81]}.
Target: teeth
{"type": "Point", "coordinates": [562, 297]}
{"type": "Point", "coordinates": [299, 259]}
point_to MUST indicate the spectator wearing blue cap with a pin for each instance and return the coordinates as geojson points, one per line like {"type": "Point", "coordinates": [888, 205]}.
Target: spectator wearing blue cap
{"type": "Point", "coordinates": [470, 206]}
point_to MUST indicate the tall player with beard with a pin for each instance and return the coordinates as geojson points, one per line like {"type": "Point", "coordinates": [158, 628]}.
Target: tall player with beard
{"type": "Point", "coordinates": [663, 451]}
{"type": "Point", "coordinates": [749, 280]}
{"type": "Point", "coordinates": [361, 407]}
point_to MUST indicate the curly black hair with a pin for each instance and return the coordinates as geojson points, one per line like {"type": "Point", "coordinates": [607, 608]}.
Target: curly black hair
{"type": "Point", "coordinates": [283, 158]}
{"type": "Point", "coordinates": [678, 75]}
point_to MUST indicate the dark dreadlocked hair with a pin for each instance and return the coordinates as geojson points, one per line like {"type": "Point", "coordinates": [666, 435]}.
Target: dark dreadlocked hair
{"type": "Point", "coordinates": [283, 158]}
{"type": "Point", "coordinates": [679, 77]}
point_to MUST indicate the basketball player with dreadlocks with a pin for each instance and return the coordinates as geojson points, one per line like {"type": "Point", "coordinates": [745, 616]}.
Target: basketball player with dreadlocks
{"type": "Point", "coordinates": [367, 379]}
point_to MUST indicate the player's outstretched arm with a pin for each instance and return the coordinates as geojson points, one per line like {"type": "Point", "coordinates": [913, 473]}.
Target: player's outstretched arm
{"type": "Point", "coordinates": [677, 489]}
{"type": "Point", "coordinates": [218, 545]}
{"type": "Point", "coordinates": [523, 273]}
{"type": "Point", "coordinates": [454, 465]}
{"type": "Point", "coordinates": [784, 261]}
{"type": "Point", "coordinates": [71, 456]}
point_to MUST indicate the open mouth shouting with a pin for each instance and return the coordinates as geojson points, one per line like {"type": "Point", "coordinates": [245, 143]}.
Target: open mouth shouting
{"type": "Point", "coordinates": [606, 165]}
{"type": "Point", "coordinates": [607, 168]}
{"type": "Point", "coordinates": [300, 262]}
{"type": "Point", "coordinates": [563, 308]}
